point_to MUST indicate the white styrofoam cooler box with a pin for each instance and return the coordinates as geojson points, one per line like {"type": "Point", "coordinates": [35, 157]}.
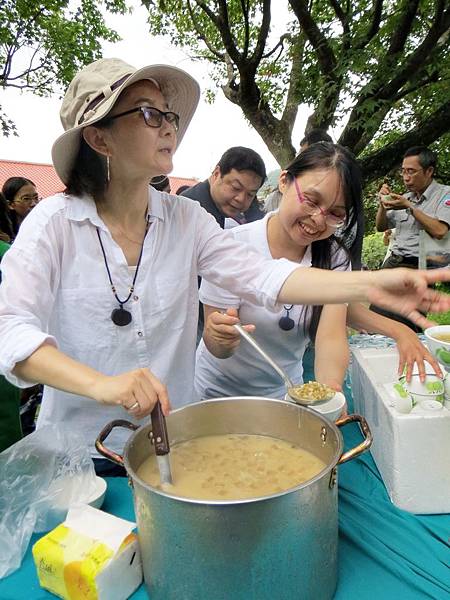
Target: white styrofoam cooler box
{"type": "Point", "coordinates": [411, 451]}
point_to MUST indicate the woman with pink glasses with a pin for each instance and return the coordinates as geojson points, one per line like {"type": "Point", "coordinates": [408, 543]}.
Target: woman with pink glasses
{"type": "Point", "coordinates": [321, 197]}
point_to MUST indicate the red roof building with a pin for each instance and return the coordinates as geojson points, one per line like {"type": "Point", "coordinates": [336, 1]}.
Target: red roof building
{"type": "Point", "coordinates": [47, 181]}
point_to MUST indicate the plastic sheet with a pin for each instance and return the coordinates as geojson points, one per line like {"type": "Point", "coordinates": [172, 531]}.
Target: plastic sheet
{"type": "Point", "coordinates": [41, 476]}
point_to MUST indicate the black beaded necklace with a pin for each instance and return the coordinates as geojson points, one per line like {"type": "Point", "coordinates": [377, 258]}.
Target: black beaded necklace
{"type": "Point", "coordinates": [120, 316]}
{"type": "Point", "coordinates": [286, 323]}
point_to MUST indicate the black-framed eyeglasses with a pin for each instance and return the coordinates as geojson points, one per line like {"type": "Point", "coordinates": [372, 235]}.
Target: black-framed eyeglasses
{"type": "Point", "coordinates": [153, 117]}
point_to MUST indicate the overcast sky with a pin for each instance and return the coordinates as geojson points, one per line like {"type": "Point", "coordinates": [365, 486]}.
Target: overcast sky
{"type": "Point", "coordinates": [213, 129]}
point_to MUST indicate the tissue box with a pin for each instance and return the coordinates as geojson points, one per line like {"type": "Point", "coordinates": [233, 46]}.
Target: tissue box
{"type": "Point", "coordinates": [91, 556]}
{"type": "Point", "coordinates": [411, 451]}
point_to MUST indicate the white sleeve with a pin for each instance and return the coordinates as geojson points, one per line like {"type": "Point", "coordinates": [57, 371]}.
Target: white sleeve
{"type": "Point", "coordinates": [216, 296]}
{"type": "Point", "coordinates": [237, 267]}
{"type": "Point", "coordinates": [30, 275]}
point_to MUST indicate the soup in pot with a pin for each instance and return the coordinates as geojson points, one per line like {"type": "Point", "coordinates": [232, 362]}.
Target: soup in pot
{"type": "Point", "coordinates": [233, 467]}
{"type": "Point", "coordinates": [442, 337]}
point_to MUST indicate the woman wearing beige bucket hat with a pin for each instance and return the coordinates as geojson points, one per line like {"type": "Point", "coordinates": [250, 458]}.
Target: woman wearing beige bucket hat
{"type": "Point", "coordinates": [99, 297]}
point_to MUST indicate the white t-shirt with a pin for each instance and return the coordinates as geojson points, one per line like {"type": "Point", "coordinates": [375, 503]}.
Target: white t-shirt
{"type": "Point", "coordinates": [55, 288]}
{"type": "Point", "coordinates": [246, 373]}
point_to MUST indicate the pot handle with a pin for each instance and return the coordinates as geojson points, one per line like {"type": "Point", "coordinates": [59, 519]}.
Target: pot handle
{"type": "Point", "coordinates": [367, 434]}
{"type": "Point", "coordinates": [103, 450]}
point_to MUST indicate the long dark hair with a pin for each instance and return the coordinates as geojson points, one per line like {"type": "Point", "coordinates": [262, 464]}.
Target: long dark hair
{"type": "Point", "coordinates": [8, 218]}
{"type": "Point", "coordinates": [89, 173]}
{"type": "Point", "coordinates": [325, 155]}
{"type": "Point", "coordinates": [6, 225]}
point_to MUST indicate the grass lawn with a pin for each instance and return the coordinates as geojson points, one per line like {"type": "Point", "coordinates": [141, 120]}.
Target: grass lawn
{"type": "Point", "coordinates": [440, 318]}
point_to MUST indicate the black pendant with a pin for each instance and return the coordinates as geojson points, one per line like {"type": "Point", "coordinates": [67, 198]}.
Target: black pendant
{"type": "Point", "coordinates": [286, 323]}
{"type": "Point", "coordinates": [121, 317]}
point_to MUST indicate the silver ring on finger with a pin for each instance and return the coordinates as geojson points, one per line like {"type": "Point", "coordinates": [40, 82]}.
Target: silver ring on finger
{"type": "Point", "coordinates": [133, 406]}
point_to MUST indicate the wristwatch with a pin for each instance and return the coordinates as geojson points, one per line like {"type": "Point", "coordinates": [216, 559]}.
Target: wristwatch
{"type": "Point", "coordinates": [410, 211]}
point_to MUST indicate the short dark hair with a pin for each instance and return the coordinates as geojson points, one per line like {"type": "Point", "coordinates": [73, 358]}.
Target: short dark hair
{"type": "Point", "coordinates": [427, 158]}
{"type": "Point", "coordinates": [242, 159]}
{"type": "Point", "coordinates": [13, 185]}
{"type": "Point", "coordinates": [316, 135]}
{"type": "Point", "coordinates": [182, 189]}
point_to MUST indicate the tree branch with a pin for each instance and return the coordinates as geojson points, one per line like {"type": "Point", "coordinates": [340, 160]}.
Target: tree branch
{"type": "Point", "coordinates": [419, 57]}
{"type": "Point", "coordinates": [292, 99]}
{"type": "Point", "coordinates": [342, 16]}
{"type": "Point", "coordinates": [324, 52]}
{"type": "Point", "coordinates": [201, 35]}
{"type": "Point", "coordinates": [262, 35]}
{"type": "Point", "coordinates": [245, 11]}
{"type": "Point", "coordinates": [225, 33]}
{"type": "Point", "coordinates": [421, 83]}
{"type": "Point", "coordinates": [403, 28]}
{"type": "Point", "coordinates": [279, 45]}
{"type": "Point", "coordinates": [374, 25]}
{"type": "Point", "coordinates": [379, 89]}
{"type": "Point", "coordinates": [384, 160]}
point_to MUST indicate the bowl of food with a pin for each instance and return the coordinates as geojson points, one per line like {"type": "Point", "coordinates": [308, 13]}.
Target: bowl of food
{"type": "Point", "coordinates": [332, 409]}
{"type": "Point", "coordinates": [438, 342]}
{"type": "Point", "coordinates": [310, 393]}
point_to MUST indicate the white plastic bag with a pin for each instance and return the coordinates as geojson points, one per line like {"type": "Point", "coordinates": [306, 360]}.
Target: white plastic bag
{"type": "Point", "coordinates": [41, 476]}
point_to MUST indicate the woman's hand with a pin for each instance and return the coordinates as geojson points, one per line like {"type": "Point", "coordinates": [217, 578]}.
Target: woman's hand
{"type": "Point", "coordinates": [137, 391]}
{"type": "Point", "coordinates": [411, 350]}
{"type": "Point", "coordinates": [406, 291]}
{"type": "Point", "coordinates": [220, 337]}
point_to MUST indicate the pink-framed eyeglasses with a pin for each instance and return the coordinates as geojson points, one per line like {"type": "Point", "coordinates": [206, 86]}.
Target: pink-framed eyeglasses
{"type": "Point", "coordinates": [334, 218]}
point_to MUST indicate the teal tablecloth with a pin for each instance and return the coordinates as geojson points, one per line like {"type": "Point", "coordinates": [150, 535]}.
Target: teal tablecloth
{"type": "Point", "coordinates": [384, 553]}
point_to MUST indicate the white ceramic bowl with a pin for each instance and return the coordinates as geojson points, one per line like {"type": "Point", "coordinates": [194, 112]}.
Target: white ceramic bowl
{"type": "Point", "coordinates": [97, 497]}
{"type": "Point", "coordinates": [439, 348]}
{"type": "Point", "coordinates": [432, 386]}
{"type": "Point", "coordinates": [331, 409]}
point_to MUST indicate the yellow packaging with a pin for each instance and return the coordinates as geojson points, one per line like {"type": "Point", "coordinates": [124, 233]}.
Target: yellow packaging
{"type": "Point", "coordinates": [91, 556]}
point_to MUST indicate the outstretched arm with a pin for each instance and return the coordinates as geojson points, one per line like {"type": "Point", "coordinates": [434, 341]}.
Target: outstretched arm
{"type": "Point", "coordinates": [404, 291]}
{"type": "Point", "coordinates": [331, 347]}
{"type": "Point", "coordinates": [410, 348]}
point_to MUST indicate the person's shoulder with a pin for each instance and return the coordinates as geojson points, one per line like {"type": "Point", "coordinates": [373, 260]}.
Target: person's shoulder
{"type": "Point", "coordinates": [197, 191]}
{"type": "Point", "coordinates": [47, 210]}
{"type": "Point", "coordinates": [173, 205]}
{"type": "Point", "coordinates": [442, 190]}
{"type": "Point", "coordinates": [248, 231]}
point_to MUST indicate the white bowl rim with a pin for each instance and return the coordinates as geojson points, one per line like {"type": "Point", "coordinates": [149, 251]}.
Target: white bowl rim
{"type": "Point", "coordinates": [428, 332]}
{"type": "Point", "coordinates": [100, 489]}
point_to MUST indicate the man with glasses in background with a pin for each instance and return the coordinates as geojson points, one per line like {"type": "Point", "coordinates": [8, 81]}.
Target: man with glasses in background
{"type": "Point", "coordinates": [426, 205]}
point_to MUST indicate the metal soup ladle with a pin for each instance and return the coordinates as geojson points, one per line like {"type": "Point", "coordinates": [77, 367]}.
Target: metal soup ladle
{"type": "Point", "coordinates": [292, 389]}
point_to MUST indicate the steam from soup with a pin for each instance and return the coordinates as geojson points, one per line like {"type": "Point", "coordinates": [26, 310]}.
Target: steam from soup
{"type": "Point", "coordinates": [233, 467]}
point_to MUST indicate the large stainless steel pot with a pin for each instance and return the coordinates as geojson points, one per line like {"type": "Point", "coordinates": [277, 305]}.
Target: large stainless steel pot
{"type": "Point", "coordinates": [282, 546]}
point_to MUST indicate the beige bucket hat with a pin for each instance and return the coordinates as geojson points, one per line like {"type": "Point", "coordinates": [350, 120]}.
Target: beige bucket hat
{"type": "Point", "coordinates": [94, 91]}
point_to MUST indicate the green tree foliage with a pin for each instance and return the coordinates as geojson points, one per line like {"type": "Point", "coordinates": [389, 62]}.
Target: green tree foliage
{"type": "Point", "coordinates": [43, 44]}
{"type": "Point", "coordinates": [382, 67]}
{"type": "Point", "coordinates": [373, 251]}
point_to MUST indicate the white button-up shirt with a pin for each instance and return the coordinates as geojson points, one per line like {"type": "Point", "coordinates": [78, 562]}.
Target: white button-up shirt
{"type": "Point", "coordinates": [55, 289]}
